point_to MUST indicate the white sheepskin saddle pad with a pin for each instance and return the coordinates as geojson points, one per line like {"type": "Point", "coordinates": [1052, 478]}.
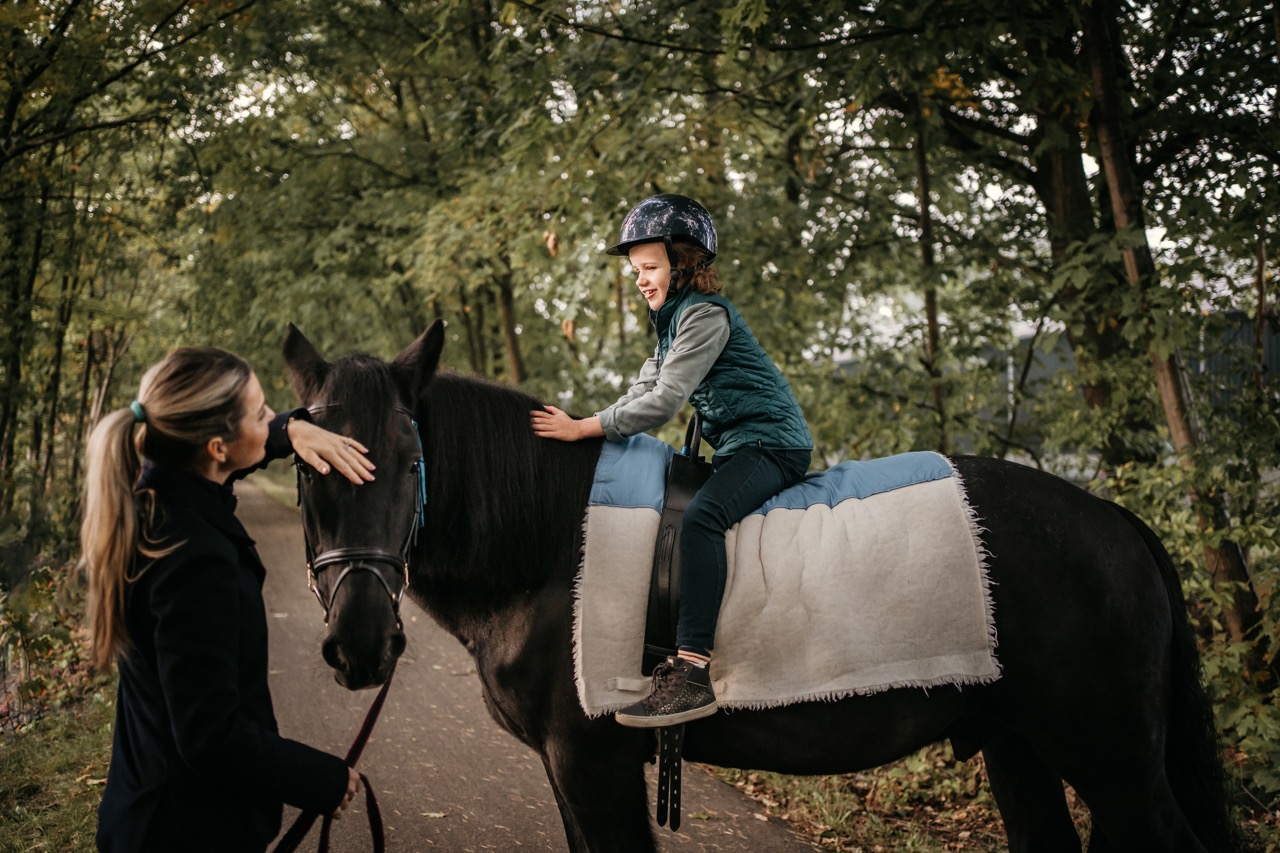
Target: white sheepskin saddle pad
{"type": "Point", "coordinates": [866, 577]}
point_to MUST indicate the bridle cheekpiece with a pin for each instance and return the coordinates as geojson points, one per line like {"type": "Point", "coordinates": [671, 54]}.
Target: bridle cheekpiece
{"type": "Point", "coordinates": [359, 558]}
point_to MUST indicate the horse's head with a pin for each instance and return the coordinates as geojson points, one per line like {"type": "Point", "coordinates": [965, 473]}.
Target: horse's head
{"type": "Point", "coordinates": [358, 537]}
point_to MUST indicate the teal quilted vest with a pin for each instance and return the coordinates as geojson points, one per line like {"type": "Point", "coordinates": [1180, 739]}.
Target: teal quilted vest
{"type": "Point", "coordinates": [744, 399]}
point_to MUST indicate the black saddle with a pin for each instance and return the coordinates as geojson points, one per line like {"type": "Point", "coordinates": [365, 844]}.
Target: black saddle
{"type": "Point", "coordinates": [686, 473]}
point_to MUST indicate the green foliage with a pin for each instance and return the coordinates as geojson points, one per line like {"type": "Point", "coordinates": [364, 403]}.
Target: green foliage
{"type": "Point", "coordinates": [362, 168]}
{"type": "Point", "coordinates": [42, 646]}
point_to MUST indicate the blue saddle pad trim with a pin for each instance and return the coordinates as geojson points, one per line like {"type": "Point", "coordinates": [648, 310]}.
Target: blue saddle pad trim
{"type": "Point", "coordinates": [633, 473]}
{"type": "Point", "coordinates": [861, 480]}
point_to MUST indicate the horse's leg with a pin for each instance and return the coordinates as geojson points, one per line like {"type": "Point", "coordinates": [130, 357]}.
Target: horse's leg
{"type": "Point", "coordinates": [572, 832]}
{"type": "Point", "coordinates": [1134, 809]}
{"type": "Point", "coordinates": [1030, 797]}
{"type": "Point", "coordinates": [600, 788]}
{"type": "Point", "coordinates": [1113, 754]}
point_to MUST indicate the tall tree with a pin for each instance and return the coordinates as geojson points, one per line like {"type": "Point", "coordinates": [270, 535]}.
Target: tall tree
{"type": "Point", "coordinates": [1100, 21]}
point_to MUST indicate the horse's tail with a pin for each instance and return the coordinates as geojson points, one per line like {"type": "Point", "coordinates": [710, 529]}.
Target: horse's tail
{"type": "Point", "coordinates": [1193, 759]}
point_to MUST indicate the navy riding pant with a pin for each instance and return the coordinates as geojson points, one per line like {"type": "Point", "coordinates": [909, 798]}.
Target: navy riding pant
{"type": "Point", "coordinates": [741, 482]}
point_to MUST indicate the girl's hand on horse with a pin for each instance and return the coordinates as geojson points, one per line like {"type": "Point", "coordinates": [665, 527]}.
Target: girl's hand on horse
{"type": "Point", "coordinates": [321, 449]}
{"type": "Point", "coordinates": [353, 788]}
{"type": "Point", "coordinates": [550, 422]}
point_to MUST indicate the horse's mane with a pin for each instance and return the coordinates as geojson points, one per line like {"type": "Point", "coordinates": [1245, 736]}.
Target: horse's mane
{"type": "Point", "coordinates": [506, 507]}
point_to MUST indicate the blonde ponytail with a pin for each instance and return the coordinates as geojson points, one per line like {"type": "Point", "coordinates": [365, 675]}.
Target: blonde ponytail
{"type": "Point", "coordinates": [193, 395]}
{"type": "Point", "coordinates": [109, 532]}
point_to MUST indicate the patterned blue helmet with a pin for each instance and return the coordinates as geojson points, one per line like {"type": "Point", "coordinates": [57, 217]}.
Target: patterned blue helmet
{"type": "Point", "coordinates": [667, 218]}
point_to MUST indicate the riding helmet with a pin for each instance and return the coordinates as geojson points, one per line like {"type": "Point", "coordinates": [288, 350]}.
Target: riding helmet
{"type": "Point", "coordinates": [667, 218]}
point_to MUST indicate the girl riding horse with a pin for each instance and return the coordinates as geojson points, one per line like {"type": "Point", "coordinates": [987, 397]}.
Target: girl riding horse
{"type": "Point", "coordinates": [706, 355]}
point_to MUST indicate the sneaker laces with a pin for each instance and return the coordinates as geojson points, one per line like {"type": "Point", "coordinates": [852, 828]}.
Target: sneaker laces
{"type": "Point", "coordinates": [668, 678]}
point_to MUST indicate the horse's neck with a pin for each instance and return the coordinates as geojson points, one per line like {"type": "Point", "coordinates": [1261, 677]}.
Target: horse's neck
{"type": "Point", "coordinates": [505, 516]}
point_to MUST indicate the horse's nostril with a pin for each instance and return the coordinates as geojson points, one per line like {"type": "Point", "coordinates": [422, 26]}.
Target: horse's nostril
{"type": "Point", "coordinates": [397, 645]}
{"type": "Point", "coordinates": [332, 653]}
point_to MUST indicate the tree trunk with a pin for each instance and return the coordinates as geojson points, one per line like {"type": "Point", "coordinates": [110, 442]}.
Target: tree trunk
{"type": "Point", "coordinates": [115, 345]}
{"type": "Point", "coordinates": [1071, 221]}
{"type": "Point", "coordinates": [1226, 561]}
{"type": "Point", "coordinates": [1275, 33]}
{"type": "Point", "coordinates": [19, 311]}
{"type": "Point", "coordinates": [1260, 320]}
{"type": "Point", "coordinates": [82, 410]}
{"type": "Point", "coordinates": [507, 314]}
{"type": "Point", "coordinates": [929, 262]}
{"type": "Point", "coordinates": [53, 391]}
{"type": "Point", "coordinates": [16, 310]}
{"type": "Point", "coordinates": [473, 324]}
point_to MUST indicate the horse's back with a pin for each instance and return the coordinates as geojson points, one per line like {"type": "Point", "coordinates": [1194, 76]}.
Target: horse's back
{"type": "Point", "coordinates": [1061, 558]}
{"type": "Point", "coordinates": [1082, 610]}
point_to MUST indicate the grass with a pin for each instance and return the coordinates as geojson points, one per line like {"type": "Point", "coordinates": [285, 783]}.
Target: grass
{"type": "Point", "coordinates": [927, 803]}
{"type": "Point", "coordinates": [51, 777]}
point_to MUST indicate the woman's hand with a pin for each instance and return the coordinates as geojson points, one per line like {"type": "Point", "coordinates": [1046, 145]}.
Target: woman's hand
{"type": "Point", "coordinates": [550, 422]}
{"type": "Point", "coordinates": [353, 788]}
{"type": "Point", "coordinates": [321, 449]}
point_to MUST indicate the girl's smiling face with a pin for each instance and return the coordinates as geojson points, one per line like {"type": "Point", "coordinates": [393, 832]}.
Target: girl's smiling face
{"type": "Point", "coordinates": [653, 272]}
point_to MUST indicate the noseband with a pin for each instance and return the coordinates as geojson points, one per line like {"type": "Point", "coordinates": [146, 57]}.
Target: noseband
{"type": "Point", "coordinates": [363, 559]}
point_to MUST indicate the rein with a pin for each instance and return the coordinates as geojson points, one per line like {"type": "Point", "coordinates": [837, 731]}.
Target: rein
{"type": "Point", "coordinates": [358, 558]}
{"type": "Point", "coordinates": [302, 823]}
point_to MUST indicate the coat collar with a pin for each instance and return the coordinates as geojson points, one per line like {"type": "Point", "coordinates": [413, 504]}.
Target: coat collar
{"type": "Point", "coordinates": [214, 502]}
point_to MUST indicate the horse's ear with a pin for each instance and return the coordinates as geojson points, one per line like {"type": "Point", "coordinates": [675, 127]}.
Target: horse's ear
{"type": "Point", "coordinates": [307, 368]}
{"type": "Point", "coordinates": [417, 363]}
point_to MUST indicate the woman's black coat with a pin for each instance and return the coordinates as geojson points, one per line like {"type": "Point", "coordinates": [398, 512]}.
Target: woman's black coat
{"type": "Point", "coordinates": [197, 763]}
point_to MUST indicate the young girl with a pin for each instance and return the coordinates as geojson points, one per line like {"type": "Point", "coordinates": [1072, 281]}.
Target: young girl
{"type": "Point", "coordinates": [176, 600]}
{"type": "Point", "coordinates": [705, 355]}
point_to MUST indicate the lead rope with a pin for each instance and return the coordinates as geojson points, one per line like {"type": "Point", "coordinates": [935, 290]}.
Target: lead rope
{"type": "Point", "coordinates": [303, 823]}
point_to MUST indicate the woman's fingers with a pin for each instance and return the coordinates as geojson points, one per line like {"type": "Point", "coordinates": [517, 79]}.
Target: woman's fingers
{"type": "Point", "coordinates": [353, 788]}
{"type": "Point", "coordinates": [324, 450]}
{"type": "Point", "coordinates": [352, 462]}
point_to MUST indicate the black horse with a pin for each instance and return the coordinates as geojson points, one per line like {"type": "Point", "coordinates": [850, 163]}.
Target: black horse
{"type": "Point", "coordinates": [1101, 675]}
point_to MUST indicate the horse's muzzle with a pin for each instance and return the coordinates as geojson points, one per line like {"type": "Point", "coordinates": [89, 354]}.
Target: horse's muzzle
{"type": "Point", "coordinates": [357, 670]}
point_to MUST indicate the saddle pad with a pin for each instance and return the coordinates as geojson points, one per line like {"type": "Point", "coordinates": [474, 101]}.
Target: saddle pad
{"type": "Point", "coordinates": [866, 577]}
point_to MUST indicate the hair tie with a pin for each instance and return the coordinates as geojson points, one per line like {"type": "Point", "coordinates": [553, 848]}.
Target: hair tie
{"type": "Point", "coordinates": [139, 413]}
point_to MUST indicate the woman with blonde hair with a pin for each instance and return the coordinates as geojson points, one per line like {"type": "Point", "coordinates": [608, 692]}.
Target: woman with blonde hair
{"type": "Point", "coordinates": [175, 600]}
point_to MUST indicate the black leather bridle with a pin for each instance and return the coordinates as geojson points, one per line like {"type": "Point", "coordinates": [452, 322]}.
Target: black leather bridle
{"type": "Point", "coordinates": [358, 559]}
